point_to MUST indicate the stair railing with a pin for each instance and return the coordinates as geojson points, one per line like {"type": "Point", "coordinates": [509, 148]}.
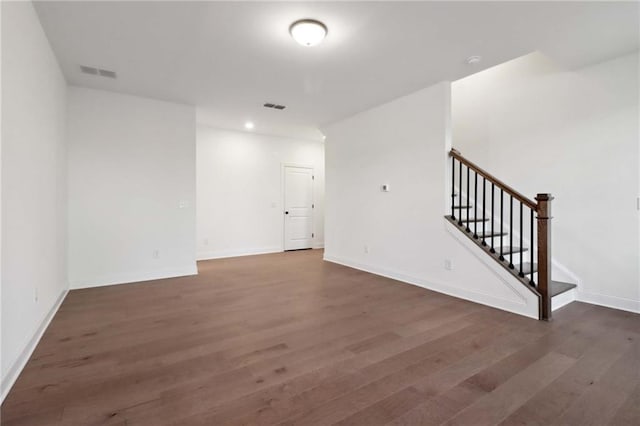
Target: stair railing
{"type": "Point", "coordinates": [541, 208]}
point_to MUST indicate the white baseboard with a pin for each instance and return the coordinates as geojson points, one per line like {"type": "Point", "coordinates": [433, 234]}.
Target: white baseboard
{"type": "Point", "coordinates": [481, 298]}
{"type": "Point", "coordinates": [614, 302]}
{"type": "Point", "coordinates": [134, 277]}
{"type": "Point", "coordinates": [318, 245]}
{"type": "Point", "coordinates": [17, 367]}
{"type": "Point", "coordinates": [221, 254]}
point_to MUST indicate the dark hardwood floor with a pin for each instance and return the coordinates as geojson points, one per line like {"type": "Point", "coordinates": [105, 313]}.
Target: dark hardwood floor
{"type": "Point", "coordinates": [289, 339]}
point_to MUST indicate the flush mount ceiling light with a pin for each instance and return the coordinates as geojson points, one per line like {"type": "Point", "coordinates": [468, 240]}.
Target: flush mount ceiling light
{"type": "Point", "coordinates": [248, 125]}
{"type": "Point", "coordinates": [308, 32]}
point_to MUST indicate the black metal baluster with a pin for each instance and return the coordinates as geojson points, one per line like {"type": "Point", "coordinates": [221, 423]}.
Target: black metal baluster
{"type": "Point", "coordinates": [475, 206]}
{"type": "Point", "coordinates": [511, 232]}
{"type": "Point", "coordinates": [492, 218]}
{"type": "Point", "coordinates": [521, 250]}
{"type": "Point", "coordinates": [484, 214]}
{"type": "Point", "coordinates": [453, 186]}
{"type": "Point", "coordinates": [532, 246]}
{"type": "Point", "coordinates": [467, 200]}
{"type": "Point", "coordinates": [501, 221]}
{"type": "Point", "coordinates": [460, 193]}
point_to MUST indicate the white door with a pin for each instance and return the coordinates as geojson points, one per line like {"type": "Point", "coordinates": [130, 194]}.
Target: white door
{"type": "Point", "coordinates": [298, 208]}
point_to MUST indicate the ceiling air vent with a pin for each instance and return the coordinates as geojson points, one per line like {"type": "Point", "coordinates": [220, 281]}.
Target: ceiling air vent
{"type": "Point", "coordinates": [97, 71]}
{"type": "Point", "coordinates": [107, 73]}
{"type": "Point", "coordinates": [88, 70]}
{"type": "Point", "coordinates": [274, 106]}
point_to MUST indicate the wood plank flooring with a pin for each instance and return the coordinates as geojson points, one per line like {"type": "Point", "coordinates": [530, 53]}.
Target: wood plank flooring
{"type": "Point", "coordinates": [287, 339]}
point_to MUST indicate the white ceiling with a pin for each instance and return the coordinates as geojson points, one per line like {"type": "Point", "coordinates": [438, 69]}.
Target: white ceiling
{"type": "Point", "coordinates": [228, 58]}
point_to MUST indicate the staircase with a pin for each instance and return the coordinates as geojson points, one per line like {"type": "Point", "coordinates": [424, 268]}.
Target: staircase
{"type": "Point", "coordinates": [510, 228]}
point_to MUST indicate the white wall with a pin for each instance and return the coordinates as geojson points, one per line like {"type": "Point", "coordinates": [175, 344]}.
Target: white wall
{"type": "Point", "coordinates": [402, 233]}
{"type": "Point", "coordinates": [239, 180]}
{"type": "Point", "coordinates": [131, 188]}
{"type": "Point", "coordinates": [33, 185]}
{"type": "Point", "coordinates": [573, 134]}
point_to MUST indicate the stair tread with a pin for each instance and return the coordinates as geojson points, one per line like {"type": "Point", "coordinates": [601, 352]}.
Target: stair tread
{"type": "Point", "coordinates": [509, 249]}
{"type": "Point", "coordinates": [526, 267]}
{"type": "Point", "coordinates": [559, 287]}
{"type": "Point", "coordinates": [488, 233]}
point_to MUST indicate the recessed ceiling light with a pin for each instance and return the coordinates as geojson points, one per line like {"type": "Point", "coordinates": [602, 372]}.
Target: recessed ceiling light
{"type": "Point", "coordinates": [248, 125]}
{"type": "Point", "coordinates": [308, 32]}
{"type": "Point", "coordinates": [475, 59]}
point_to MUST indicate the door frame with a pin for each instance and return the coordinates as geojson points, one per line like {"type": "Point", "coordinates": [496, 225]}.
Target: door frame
{"type": "Point", "coordinates": [283, 177]}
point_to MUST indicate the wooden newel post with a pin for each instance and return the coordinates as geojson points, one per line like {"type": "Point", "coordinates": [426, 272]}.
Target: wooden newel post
{"type": "Point", "coordinates": [544, 253]}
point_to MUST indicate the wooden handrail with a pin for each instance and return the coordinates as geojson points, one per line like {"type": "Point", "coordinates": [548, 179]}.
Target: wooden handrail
{"type": "Point", "coordinates": [509, 190]}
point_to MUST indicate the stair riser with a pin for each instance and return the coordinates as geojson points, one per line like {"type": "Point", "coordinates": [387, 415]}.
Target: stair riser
{"type": "Point", "coordinates": [563, 299]}
{"type": "Point", "coordinates": [499, 240]}
{"type": "Point", "coordinates": [503, 240]}
{"type": "Point", "coordinates": [487, 223]}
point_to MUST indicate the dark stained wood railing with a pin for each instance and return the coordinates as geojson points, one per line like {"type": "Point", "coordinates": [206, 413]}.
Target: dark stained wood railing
{"type": "Point", "coordinates": [541, 208]}
{"type": "Point", "coordinates": [544, 253]}
{"type": "Point", "coordinates": [509, 190]}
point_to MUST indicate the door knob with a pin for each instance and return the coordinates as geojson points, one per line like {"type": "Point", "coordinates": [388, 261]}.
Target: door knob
{"type": "Point", "coordinates": [286, 212]}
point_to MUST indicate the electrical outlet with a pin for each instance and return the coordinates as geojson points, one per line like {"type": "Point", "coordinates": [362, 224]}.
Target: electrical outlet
{"type": "Point", "coordinates": [206, 241]}
{"type": "Point", "coordinates": [366, 249]}
{"type": "Point", "coordinates": [35, 295]}
{"type": "Point", "coordinates": [156, 254]}
{"type": "Point", "coordinates": [448, 264]}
